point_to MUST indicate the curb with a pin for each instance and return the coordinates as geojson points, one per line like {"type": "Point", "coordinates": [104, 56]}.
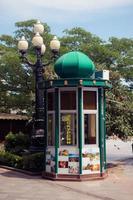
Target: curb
{"type": "Point", "coordinates": [22, 171]}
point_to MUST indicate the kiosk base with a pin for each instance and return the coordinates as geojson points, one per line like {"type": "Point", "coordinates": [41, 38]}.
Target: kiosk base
{"type": "Point", "coordinates": [84, 177]}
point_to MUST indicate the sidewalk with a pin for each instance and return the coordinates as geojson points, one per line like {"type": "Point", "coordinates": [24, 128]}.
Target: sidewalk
{"type": "Point", "coordinates": [117, 186]}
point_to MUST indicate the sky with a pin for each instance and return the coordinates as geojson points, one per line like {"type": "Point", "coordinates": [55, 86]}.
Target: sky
{"type": "Point", "coordinates": [104, 18]}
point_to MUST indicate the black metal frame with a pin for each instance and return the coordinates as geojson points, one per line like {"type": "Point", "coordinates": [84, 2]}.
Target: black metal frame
{"type": "Point", "coordinates": [38, 67]}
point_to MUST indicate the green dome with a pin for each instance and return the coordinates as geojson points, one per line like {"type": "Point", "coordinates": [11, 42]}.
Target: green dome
{"type": "Point", "coordinates": [74, 64]}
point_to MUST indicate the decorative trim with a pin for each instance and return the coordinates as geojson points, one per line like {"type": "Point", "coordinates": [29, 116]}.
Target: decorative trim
{"type": "Point", "coordinates": [51, 83]}
{"type": "Point", "coordinates": [65, 82]}
{"type": "Point", "coordinates": [71, 82]}
{"type": "Point", "coordinates": [94, 82]}
{"type": "Point", "coordinates": [80, 81]}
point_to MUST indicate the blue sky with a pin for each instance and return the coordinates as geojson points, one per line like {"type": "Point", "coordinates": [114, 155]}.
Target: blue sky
{"type": "Point", "coordinates": [104, 18]}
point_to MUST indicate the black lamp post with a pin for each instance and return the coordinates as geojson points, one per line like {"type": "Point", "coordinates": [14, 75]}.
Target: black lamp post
{"type": "Point", "coordinates": [37, 67]}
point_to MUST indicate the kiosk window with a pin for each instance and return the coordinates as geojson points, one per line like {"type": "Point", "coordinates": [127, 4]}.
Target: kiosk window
{"type": "Point", "coordinates": [50, 101]}
{"type": "Point", "coordinates": [89, 128]}
{"type": "Point", "coordinates": [68, 100]}
{"type": "Point", "coordinates": [89, 100]}
{"type": "Point", "coordinates": [51, 136]}
{"type": "Point", "coordinates": [68, 129]}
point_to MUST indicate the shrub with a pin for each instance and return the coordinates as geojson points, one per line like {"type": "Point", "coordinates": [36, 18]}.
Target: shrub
{"type": "Point", "coordinates": [9, 159]}
{"type": "Point", "coordinates": [16, 143]}
{"type": "Point", "coordinates": [33, 162]}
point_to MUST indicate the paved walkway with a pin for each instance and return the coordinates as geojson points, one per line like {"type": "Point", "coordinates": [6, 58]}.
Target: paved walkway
{"type": "Point", "coordinates": [118, 185]}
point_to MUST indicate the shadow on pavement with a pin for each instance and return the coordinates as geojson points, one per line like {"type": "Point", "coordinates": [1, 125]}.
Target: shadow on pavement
{"type": "Point", "coordinates": [111, 165]}
{"type": "Point", "coordinates": [128, 161]}
{"type": "Point", "coordinates": [11, 174]}
{"type": "Point", "coordinates": [125, 162]}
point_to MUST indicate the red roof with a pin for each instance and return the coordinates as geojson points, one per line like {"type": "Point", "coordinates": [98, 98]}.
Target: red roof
{"type": "Point", "coordinates": [6, 116]}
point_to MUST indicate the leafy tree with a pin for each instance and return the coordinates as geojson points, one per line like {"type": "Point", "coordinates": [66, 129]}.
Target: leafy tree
{"type": "Point", "coordinates": [116, 55]}
{"type": "Point", "coordinates": [17, 79]}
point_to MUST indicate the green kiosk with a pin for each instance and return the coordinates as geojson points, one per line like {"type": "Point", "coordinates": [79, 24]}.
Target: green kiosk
{"type": "Point", "coordinates": [75, 120]}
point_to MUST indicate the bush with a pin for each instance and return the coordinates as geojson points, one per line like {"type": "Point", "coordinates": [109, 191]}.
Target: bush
{"type": "Point", "coordinates": [33, 162]}
{"type": "Point", "coordinates": [9, 159]}
{"type": "Point", "coordinates": [16, 143]}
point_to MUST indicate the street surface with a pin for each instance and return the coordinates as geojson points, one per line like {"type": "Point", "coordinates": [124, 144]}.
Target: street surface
{"type": "Point", "coordinates": [117, 186]}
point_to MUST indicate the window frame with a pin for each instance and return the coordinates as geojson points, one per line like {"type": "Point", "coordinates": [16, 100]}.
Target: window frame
{"type": "Point", "coordinates": [53, 113]}
{"type": "Point", "coordinates": [68, 112]}
{"type": "Point", "coordinates": [94, 111]}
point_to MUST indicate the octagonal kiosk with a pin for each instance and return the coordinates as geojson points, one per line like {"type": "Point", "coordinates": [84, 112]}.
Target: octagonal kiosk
{"type": "Point", "coordinates": [75, 120]}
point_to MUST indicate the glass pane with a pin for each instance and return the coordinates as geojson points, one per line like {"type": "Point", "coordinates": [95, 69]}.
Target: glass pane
{"type": "Point", "coordinates": [68, 134]}
{"type": "Point", "coordinates": [51, 136]}
{"type": "Point", "coordinates": [90, 128]}
{"type": "Point", "coordinates": [68, 100]}
{"type": "Point", "coordinates": [89, 100]}
{"type": "Point", "coordinates": [50, 101]}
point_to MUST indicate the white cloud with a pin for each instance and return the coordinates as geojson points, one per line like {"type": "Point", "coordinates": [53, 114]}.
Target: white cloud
{"type": "Point", "coordinates": [80, 4]}
{"type": "Point", "coordinates": [58, 13]}
{"type": "Point", "coordinates": [55, 9]}
{"type": "Point", "coordinates": [74, 5]}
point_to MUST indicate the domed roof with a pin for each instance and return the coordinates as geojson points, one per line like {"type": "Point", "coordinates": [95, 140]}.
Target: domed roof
{"type": "Point", "coordinates": [74, 64]}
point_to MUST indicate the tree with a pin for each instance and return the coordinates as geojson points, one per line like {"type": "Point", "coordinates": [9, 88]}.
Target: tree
{"type": "Point", "coordinates": [17, 79]}
{"type": "Point", "coordinates": [116, 55]}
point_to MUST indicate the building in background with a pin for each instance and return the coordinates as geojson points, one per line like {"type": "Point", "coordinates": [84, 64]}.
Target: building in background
{"type": "Point", "coordinates": [12, 123]}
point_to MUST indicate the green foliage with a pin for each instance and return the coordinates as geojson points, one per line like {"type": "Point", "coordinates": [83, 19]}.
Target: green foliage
{"type": "Point", "coordinates": [16, 143]}
{"type": "Point", "coordinates": [7, 40]}
{"type": "Point", "coordinates": [124, 59]}
{"type": "Point", "coordinates": [78, 39]}
{"type": "Point", "coordinates": [25, 28]}
{"type": "Point", "coordinates": [9, 159]}
{"type": "Point", "coordinates": [119, 109]}
{"type": "Point", "coordinates": [16, 83]}
{"type": "Point", "coordinates": [33, 162]}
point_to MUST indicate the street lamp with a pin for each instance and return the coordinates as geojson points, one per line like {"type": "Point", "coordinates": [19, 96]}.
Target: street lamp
{"type": "Point", "coordinates": [37, 67]}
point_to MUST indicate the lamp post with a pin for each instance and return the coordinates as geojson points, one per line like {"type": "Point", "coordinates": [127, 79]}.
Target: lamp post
{"type": "Point", "coordinates": [37, 67]}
